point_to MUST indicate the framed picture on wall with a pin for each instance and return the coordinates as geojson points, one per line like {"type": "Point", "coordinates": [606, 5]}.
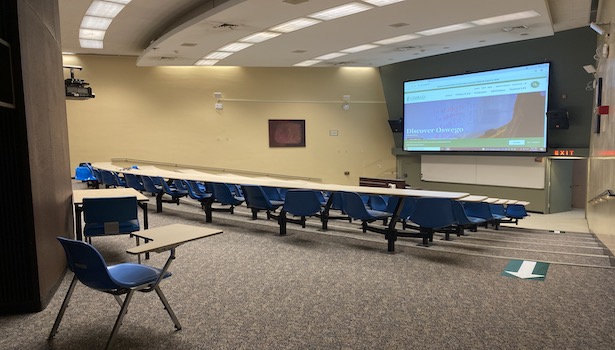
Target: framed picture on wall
{"type": "Point", "coordinates": [286, 133]}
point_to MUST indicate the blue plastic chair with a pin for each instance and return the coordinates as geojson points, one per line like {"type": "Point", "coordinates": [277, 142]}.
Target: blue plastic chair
{"type": "Point", "coordinates": [223, 195]}
{"type": "Point", "coordinates": [97, 175]}
{"type": "Point", "coordinates": [84, 173]}
{"type": "Point", "coordinates": [481, 210]}
{"type": "Point", "coordinates": [174, 192]}
{"type": "Point", "coordinates": [163, 188]}
{"type": "Point", "coordinates": [464, 221]}
{"type": "Point", "coordinates": [433, 214]}
{"type": "Point", "coordinates": [377, 202]}
{"type": "Point", "coordinates": [119, 180]}
{"type": "Point", "coordinates": [354, 206]}
{"type": "Point", "coordinates": [406, 210]}
{"type": "Point", "coordinates": [90, 268]}
{"type": "Point", "coordinates": [150, 186]}
{"type": "Point", "coordinates": [195, 192]}
{"type": "Point", "coordinates": [257, 200]}
{"type": "Point", "coordinates": [180, 185]}
{"type": "Point", "coordinates": [334, 201]}
{"type": "Point", "coordinates": [516, 212]}
{"type": "Point", "coordinates": [299, 203]}
{"type": "Point", "coordinates": [108, 179]}
{"type": "Point", "coordinates": [134, 181]}
{"type": "Point", "coordinates": [498, 211]}
{"type": "Point", "coordinates": [273, 193]}
{"type": "Point", "coordinates": [110, 216]}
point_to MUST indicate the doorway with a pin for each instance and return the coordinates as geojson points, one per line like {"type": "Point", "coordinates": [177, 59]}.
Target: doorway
{"type": "Point", "coordinates": [567, 184]}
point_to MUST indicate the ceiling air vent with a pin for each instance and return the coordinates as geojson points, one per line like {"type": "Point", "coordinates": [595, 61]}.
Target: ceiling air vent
{"type": "Point", "coordinates": [226, 26]}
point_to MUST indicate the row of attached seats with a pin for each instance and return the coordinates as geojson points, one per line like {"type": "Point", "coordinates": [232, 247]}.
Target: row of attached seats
{"type": "Point", "coordinates": [420, 215]}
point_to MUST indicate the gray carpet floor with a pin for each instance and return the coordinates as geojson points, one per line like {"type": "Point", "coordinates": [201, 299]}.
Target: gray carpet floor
{"type": "Point", "coordinates": [250, 288]}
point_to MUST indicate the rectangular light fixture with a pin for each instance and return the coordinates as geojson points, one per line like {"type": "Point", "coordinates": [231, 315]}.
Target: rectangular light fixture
{"type": "Point", "coordinates": [205, 62]}
{"type": "Point", "coordinates": [104, 9]}
{"type": "Point", "coordinates": [217, 55]}
{"type": "Point", "coordinates": [307, 63]}
{"type": "Point", "coordinates": [91, 44]}
{"type": "Point", "coordinates": [382, 2]}
{"type": "Point", "coordinates": [235, 47]}
{"type": "Point", "coordinates": [341, 11]}
{"type": "Point", "coordinates": [91, 22]}
{"type": "Point", "coordinates": [259, 37]}
{"type": "Point", "coordinates": [359, 48]}
{"type": "Point", "coordinates": [397, 39]}
{"type": "Point", "coordinates": [295, 24]}
{"type": "Point", "coordinates": [92, 34]}
{"type": "Point", "coordinates": [506, 18]}
{"type": "Point", "coordinates": [331, 56]}
{"type": "Point", "coordinates": [446, 29]}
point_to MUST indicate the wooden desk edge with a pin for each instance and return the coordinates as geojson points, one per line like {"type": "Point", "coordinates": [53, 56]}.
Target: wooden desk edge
{"type": "Point", "coordinates": [154, 246]}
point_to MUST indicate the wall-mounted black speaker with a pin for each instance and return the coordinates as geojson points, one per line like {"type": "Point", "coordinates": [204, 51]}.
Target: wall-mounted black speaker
{"type": "Point", "coordinates": [397, 125]}
{"type": "Point", "coordinates": [557, 119]}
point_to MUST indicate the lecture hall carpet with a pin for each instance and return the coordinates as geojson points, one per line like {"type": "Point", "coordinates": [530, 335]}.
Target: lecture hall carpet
{"type": "Point", "coordinates": [250, 288]}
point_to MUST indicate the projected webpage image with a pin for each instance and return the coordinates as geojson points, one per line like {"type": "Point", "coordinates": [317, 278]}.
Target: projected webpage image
{"type": "Point", "coordinates": [499, 110]}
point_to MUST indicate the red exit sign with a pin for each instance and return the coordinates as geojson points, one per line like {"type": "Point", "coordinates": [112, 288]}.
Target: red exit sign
{"type": "Point", "coordinates": [563, 152]}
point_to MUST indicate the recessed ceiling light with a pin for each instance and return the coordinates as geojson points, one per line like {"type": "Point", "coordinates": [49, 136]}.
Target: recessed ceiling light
{"type": "Point", "coordinates": [91, 22]}
{"type": "Point", "coordinates": [446, 29]}
{"type": "Point", "coordinates": [92, 34]}
{"type": "Point", "coordinates": [359, 48]}
{"type": "Point", "coordinates": [218, 55]}
{"type": "Point", "coordinates": [397, 39]}
{"type": "Point", "coordinates": [331, 56]}
{"type": "Point", "coordinates": [341, 11]}
{"type": "Point", "coordinates": [382, 2]}
{"type": "Point", "coordinates": [506, 18]}
{"type": "Point", "coordinates": [104, 9]}
{"type": "Point", "coordinates": [259, 37]}
{"type": "Point", "coordinates": [295, 24]}
{"type": "Point", "coordinates": [205, 62]}
{"type": "Point", "coordinates": [307, 63]}
{"type": "Point", "coordinates": [234, 47]}
{"type": "Point", "coordinates": [91, 44]}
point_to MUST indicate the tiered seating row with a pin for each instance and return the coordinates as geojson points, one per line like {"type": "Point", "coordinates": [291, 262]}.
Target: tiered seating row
{"type": "Point", "coordinates": [422, 212]}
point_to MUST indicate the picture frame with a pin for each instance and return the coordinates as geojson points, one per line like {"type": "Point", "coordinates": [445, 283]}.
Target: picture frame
{"type": "Point", "coordinates": [286, 133]}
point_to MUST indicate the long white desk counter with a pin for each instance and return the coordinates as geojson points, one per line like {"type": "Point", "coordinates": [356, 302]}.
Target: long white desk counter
{"type": "Point", "coordinates": [195, 175]}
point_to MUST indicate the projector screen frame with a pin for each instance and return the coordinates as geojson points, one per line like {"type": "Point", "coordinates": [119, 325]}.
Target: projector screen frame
{"type": "Point", "coordinates": [538, 93]}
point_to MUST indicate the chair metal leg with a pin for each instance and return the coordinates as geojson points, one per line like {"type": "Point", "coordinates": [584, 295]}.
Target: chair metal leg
{"type": "Point", "coordinates": [167, 307]}
{"type": "Point", "coordinates": [120, 317]}
{"type": "Point", "coordinates": [69, 293]}
{"type": "Point", "coordinates": [282, 222]}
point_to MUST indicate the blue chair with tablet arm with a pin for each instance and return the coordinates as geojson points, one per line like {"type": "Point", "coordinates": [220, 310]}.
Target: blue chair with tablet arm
{"type": "Point", "coordinates": [90, 268]}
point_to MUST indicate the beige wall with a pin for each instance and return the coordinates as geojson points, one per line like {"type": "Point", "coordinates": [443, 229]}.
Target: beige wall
{"type": "Point", "coordinates": [601, 216]}
{"type": "Point", "coordinates": [167, 114]}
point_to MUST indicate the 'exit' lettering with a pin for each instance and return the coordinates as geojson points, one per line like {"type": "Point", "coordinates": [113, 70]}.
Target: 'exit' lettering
{"type": "Point", "coordinates": [563, 152]}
